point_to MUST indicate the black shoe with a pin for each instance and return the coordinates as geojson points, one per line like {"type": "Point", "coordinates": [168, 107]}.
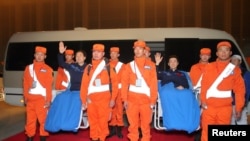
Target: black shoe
{"type": "Point", "coordinates": [197, 135]}
{"type": "Point", "coordinates": [119, 132]}
{"type": "Point", "coordinates": [140, 133]}
{"type": "Point", "coordinates": [112, 131]}
{"type": "Point", "coordinates": [42, 138]}
{"type": "Point", "coordinates": [29, 138]}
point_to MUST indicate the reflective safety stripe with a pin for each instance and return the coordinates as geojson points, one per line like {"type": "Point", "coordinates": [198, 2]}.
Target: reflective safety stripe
{"type": "Point", "coordinates": [66, 83]}
{"type": "Point", "coordinates": [117, 69]}
{"type": "Point", "coordinates": [39, 89]}
{"type": "Point", "coordinates": [118, 66]}
{"type": "Point", "coordinates": [143, 89]}
{"type": "Point", "coordinates": [102, 88]}
{"type": "Point", "coordinates": [119, 85]}
{"type": "Point", "coordinates": [213, 91]}
{"type": "Point", "coordinates": [218, 94]}
{"type": "Point", "coordinates": [197, 87]}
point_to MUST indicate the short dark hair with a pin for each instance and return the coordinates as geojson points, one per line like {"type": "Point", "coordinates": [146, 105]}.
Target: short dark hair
{"type": "Point", "coordinates": [83, 52]}
{"type": "Point", "coordinates": [173, 56]}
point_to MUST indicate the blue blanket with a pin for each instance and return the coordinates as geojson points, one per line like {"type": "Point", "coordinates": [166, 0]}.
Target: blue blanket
{"type": "Point", "coordinates": [65, 112]}
{"type": "Point", "coordinates": [180, 108]}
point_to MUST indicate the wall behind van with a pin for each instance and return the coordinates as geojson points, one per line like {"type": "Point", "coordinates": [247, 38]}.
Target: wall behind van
{"type": "Point", "coordinates": [29, 15]}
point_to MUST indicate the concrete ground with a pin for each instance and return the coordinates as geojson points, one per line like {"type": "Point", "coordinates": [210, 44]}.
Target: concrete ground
{"type": "Point", "coordinates": [12, 118]}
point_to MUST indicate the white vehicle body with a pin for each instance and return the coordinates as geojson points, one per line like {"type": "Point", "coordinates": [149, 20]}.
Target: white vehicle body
{"type": "Point", "coordinates": [185, 42]}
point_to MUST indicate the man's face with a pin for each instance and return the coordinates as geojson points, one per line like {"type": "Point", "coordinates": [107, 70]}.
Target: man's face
{"type": "Point", "coordinates": [69, 57]}
{"type": "Point", "coordinates": [114, 55]}
{"type": "Point", "coordinates": [223, 53]}
{"type": "Point", "coordinates": [205, 57]}
{"type": "Point", "coordinates": [147, 53]}
{"type": "Point", "coordinates": [235, 61]}
{"type": "Point", "coordinates": [39, 56]}
{"type": "Point", "coordinates": [97, 55]}
{"type": "Point", "coordinates": [173, 63]}
{"type": "Point", "coordinates": [139, 51]}
{"type": "Point", "coordinates": [80, 58]}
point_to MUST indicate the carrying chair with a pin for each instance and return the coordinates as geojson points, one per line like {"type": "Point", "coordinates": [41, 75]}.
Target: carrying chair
{"type": "Point", "coordinates": [84, 123]}
{"type": "Point", "coordinates": [158, 111]}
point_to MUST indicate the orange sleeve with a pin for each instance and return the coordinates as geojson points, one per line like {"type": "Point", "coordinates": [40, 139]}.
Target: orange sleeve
{"type": "Point", "coordinates": [125, 82]}
{"type": "Point", "coordinates": [206, 82]}
{"type": "Point", "coordinates": [239, 90]}
{"type": "Point", "coordinates": [114, 82]}
{"type": "Point", "coordinates": [119, 75]}
{"type": "Point", "coordinates": [153, 84]}
{"type": "Point", "coordinates": [48, 82]}
{"type": "Point", "coordinates": [84, 86]}
{"type": "Point", "coordinates": [194, 74]}
{"type": "Point", "coordinates": [60, 77]}
{"type": "Point", "coordinates": [27, 82]}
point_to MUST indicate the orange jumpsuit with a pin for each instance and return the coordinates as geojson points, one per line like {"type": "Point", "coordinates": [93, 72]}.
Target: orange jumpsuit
{"type": "Point", "coordinates": [219, 110]}
{"type": "Point", "coordinates": [196, 71]}
{"type": "Point", "coordinates": [60, 78]}
{"type": "Point", "coordinates": [35, 102]}
{"type": "Point", "coordinates": [117, 112]}
{"type": "Point", "coordinates": [97, 100]}
{"type": "Point", "coordinates": [139, 98]}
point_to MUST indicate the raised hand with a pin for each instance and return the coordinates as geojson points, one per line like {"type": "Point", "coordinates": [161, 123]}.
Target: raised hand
{"type": "Point", "coordinates": [158, 58]}
{"type": "Point", "coordinates": [62, 48]}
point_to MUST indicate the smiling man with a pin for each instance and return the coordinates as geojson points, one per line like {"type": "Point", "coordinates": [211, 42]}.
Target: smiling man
{"type": "Point", "coordinates": [219, 79]}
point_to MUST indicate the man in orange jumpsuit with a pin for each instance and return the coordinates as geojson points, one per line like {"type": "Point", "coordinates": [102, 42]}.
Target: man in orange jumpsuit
{"type": "Point", "coordinates": [198, 69]}
{"type": "Point", "coordinates": [98, 92]}
{"type": "Point", "coordinates": [196, 73]}
{"type": "Point", "coordinates": [147, 54]}
{"type": "Point", "coordinates": [218, 81]}
{"type": "Point", "coordinates": [37, 91]}
{"type": "Point", "coordinates": [63, 77]}
{"type": "Point", "coordinates": [116, 122]}
{"type": "Point", "coordinates": [139, 92]}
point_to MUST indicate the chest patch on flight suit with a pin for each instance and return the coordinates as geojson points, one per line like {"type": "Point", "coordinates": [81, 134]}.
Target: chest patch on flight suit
{"type": "Point", "coordinates": [43, 70]}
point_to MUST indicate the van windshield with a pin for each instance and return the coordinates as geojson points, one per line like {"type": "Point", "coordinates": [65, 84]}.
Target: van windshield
{"type": "Point", "coordinates": [21, 54]}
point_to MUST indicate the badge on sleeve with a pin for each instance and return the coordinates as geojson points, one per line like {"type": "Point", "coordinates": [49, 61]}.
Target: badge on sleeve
{"type": "Point", "coordinates": [98, 82]}
{"type": "Point", "coordinates": [43, 70]}
{"type": "Point", "coordinates": [138, 83]}
{"type": "Point", "coordinates": [34, 84]}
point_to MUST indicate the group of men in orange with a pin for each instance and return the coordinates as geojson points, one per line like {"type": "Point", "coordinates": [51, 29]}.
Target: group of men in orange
{"type": "Point", "coordinates": [110, 86]}
{"type": "Point", "coordinates": [215, 82]}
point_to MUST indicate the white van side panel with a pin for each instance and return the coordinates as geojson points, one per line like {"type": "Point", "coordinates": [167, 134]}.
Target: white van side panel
{"type": "Point", "coordinates": [147, 34]}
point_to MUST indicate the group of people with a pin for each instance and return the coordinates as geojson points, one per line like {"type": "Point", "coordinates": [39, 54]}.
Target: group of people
{"type": "Point", "coordinates": [218, 84]}
{"type": "Point", "coordinates": [106, 87]}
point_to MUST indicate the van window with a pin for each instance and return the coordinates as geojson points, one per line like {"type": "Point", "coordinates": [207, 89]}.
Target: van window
{"type": "Point", "coordinates": [21, 54]}
{"type": "Point", "coordinates": [188, 50]}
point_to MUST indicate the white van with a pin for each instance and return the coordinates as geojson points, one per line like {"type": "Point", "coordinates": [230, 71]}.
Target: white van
{"type": "Point", "coordinates": [183, 42]}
